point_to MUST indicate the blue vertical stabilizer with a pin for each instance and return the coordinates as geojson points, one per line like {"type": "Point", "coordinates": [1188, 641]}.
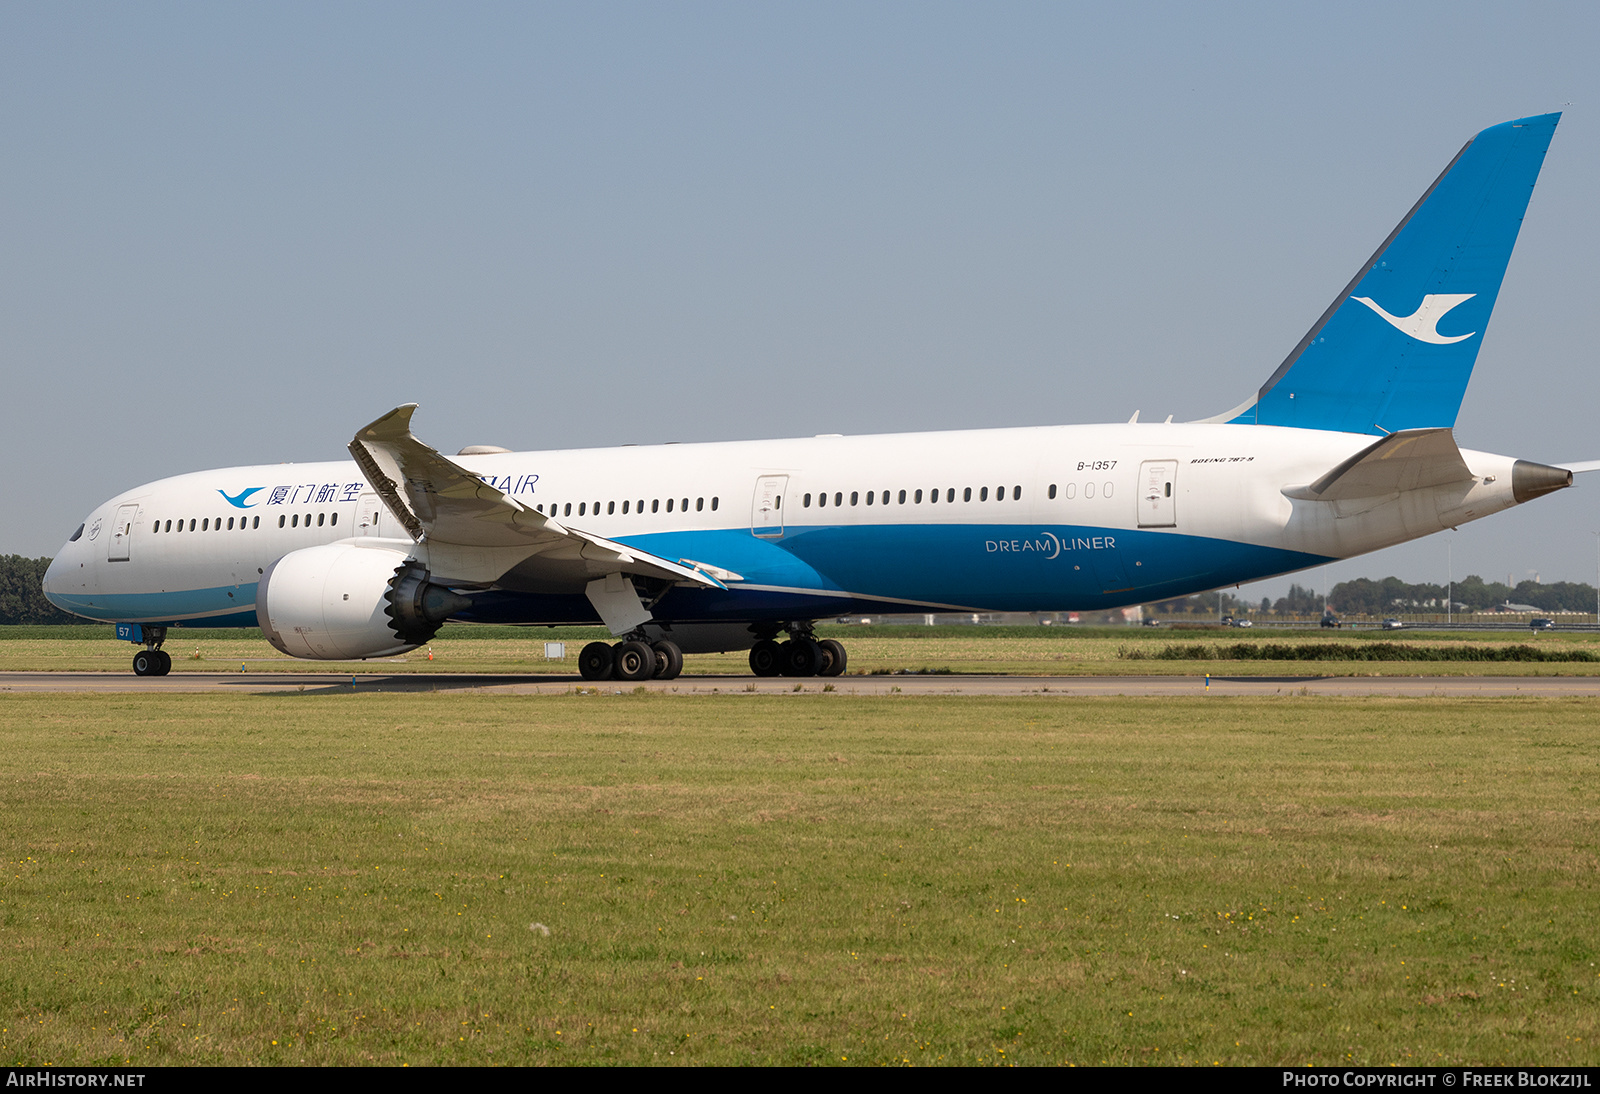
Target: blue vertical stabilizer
{"type": "Point", "coordinates": [1395, 349]}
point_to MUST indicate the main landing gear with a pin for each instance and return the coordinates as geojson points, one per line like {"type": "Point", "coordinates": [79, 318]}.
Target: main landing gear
{"type": "Point", "coordinates": [152, 660]}
{"type": "Point", "coordinates": [802, 655]}
{"type": "Point", "coordinates": [632, 659]}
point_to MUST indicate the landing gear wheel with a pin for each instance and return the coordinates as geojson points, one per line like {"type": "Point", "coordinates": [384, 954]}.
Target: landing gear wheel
{"type": "Point", "coordinates": [801, 657]}
{"type": "Point", "coordinates": [765, 659]}
{"type": "Point", "coordinates": [146, 663]}
{"type": "Point", "coordinates": [635, 661]}
{"type": "Point", "coordinates": [669, 659]}
{"type": "Point", "coordinates": [596, 661]}
{"type": "Point", "coordinates": [165, 660]}
{"type": "Point", "coordinates": [833, 657]}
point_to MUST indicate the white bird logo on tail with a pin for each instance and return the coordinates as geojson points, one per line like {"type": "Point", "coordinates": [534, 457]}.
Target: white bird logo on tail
{"type": "Point", "coordinates": [1423, 324]}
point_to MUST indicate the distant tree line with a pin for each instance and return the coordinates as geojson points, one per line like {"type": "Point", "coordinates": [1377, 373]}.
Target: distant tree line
{"type": "Point", "coordinates": [22, 593]}
{"type": "Point", "coordinates": [1470, 594]}
{"type": "Point", "coordinates": [1391, 596]}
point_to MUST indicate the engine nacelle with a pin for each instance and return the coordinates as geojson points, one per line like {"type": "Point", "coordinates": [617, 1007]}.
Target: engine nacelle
{"type": "Point", "coordinates": [341, 601]}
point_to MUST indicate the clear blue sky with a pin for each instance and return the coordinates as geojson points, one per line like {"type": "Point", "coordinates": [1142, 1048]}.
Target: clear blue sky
{"type": "Point", "coordinates": [235, 233]}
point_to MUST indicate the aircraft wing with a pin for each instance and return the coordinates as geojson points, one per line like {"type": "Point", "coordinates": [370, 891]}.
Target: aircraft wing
{"type": "Point", "coordinates": [1412, 459]}
{"type": "Point", "coordinates": [441, 503]}
{"type": "Point", "coordinates": [1580, 467]}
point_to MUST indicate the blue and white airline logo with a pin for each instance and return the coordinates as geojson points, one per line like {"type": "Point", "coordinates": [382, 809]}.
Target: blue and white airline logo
{"type": "Point", "coordinates": [1423, 324]}
{"type": "Point", "coordinates": [240, 502]}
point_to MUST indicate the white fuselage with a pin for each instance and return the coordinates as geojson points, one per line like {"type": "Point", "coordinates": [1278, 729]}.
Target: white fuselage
{"type": "Point", "coordinates": [1008, 519]}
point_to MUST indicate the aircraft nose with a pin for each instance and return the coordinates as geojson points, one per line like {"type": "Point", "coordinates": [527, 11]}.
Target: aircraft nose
{"type": "Point", "coordinates": [57, 576]}
{"type": "Point", "coordinates": [52, 571]}
{"type": "Point", "coordinates": [52, 574]}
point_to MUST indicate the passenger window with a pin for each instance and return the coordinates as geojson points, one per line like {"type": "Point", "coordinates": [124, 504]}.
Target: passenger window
{"type": "Point", "coordinates": [230, 524]}
{"type": "Point", "coordinates": [320, 518]}
{"type": "Point", "coordinates": [205, 525]}
{"type": "Point", "coordinates": [640, 507]}
{"type": "Point", "coordinates": [919, 497]}
{"type": "Point", "coordinates": [685, 508]}
{"type": "Point", "coordinates": [655, 505]}
{"type": "Point", "coordinates": [255, 523]}
{"type": "Point", "coordinates": [331, 520]}
{"type": "Point", "coordinates": [568, 511]}
{"type": "Point", "coordinates": [838, 498]}
{"type": "Point", "coordinates": [294, 522]}
{"type": "Point", "coordinates": [854, 497]}
{"type": "Point", "coordinates": [1072, 490]}
{"type": "Point", "coordinates": [933, 496]}
{"type": "Point", "coordinates": [1106, 488]}
{"type": "Point", "coordinates": [966, 495]}
{"type": "Point", "coordinates": [669, 505]}
{"type": "Point", "coordinates": [1088, 489]}
{"type": "Point", "coordinates": [699, 504]}
{"type": "Point", "coordinates": [624, 507]}
{"type": "Point", "coordinates": [1052, 491]}
{"type": "Point", "coordinates": [281, 520]}
{"type": "Point", "coordinates": [902, 497]}
{"type": "Point", "coordinates": [869, 497]}
{"type": "Point", "coordinates": [713, 504]}
{"type": "Point", "coordinates": [1016, 493]}
{"type": "Point", "coordinates": [805, 502]}
{"type": "Point", "coordinates": [951, 496]}
{"type": "Point", "coordinates": [611, 507]}
{"type": "Point", "coordinates": [983, 494]}
{"type": "Point", "coordinates": [822, 501]}
{"type": "Point", "coordinates": [169, 525]}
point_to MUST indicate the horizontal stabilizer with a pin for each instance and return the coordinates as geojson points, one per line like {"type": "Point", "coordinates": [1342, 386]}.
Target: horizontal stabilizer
{"type": "Point", "coordinates": [440, 502]}
{"type": "Point", "coordinates": [1413, 460]}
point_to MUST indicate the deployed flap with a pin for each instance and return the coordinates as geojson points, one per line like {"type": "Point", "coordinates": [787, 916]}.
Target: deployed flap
{"type": "Point", "coordinates": [1413, 460]}
{"type": "Point", "coordinates": [440, 502]}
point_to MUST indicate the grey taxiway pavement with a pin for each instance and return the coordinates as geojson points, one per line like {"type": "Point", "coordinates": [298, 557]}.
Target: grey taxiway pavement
{"type": "Point", "coordinates": [1064, 686]}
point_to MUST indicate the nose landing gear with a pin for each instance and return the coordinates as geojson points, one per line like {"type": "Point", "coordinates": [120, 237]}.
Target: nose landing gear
{"type": "Point", "coordinates": [152, 663]}
{"type": "Point", "coordinates": [152, 660]}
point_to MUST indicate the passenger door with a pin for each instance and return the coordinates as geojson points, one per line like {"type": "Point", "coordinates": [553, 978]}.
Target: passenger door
{"type": "Point", "coordinates": [766, 510]}
{"type": "Point", "coordinates": [122, 533]}
{"type": "Point", "coordinates": [1158, 490]}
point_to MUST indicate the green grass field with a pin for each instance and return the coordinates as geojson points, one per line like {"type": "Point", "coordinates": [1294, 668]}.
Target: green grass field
{"type": "Point", "coordinates": [813, 879]}
{"type": "Point", "coordinates": [1041, 651]}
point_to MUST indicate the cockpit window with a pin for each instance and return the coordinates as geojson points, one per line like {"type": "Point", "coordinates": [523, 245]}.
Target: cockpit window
{"type": "Point", "coordinates": [76, 534]}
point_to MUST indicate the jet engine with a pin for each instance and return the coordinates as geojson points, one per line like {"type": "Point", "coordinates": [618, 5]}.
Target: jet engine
{"type": "Point", "coordinates": [341, 601]}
